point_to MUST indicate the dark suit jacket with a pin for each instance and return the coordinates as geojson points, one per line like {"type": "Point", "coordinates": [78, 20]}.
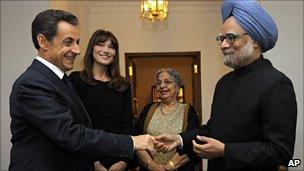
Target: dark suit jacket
{"type": "Point", "coordinates": [254, 113]}
{"type": "Point", "coordinates": [51, 129]}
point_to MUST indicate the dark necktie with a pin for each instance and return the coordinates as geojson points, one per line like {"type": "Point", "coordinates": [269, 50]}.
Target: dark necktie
{"type": "Point", "coordinates": [70, 86]}
{"type": "Point", "coordinates": [68, 83]}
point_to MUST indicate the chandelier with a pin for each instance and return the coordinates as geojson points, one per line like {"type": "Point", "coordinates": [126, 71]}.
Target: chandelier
{"type": "Point", "coordinates": [154, 10]}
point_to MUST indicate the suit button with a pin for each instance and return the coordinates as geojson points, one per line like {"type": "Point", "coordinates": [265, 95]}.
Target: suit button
{"type": "Point", "coordinates": [226, 103]}
{"type": "Point", "coordinates": [217, 125]}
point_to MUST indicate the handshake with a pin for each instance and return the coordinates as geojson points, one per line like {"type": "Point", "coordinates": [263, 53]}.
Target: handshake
{"type": "Point", "coordinates": [161, 143]}
{"type": "Point", "coordinates": [203, 146]}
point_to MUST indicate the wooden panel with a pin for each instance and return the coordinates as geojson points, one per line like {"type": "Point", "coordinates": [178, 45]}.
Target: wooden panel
{"type": "Point", "coordinates": [145, 66]}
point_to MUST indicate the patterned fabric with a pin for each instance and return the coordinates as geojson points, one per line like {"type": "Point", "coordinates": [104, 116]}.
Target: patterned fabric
{"type": "Point", "coordinates": [170, 123]}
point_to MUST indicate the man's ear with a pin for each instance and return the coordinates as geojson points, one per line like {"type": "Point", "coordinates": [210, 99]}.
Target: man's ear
{"type": "Point", "coordinates": [43, 43]}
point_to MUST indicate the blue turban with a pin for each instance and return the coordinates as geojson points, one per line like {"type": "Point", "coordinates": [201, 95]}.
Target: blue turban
{"type": "Point", "coordinates": [254, 20]}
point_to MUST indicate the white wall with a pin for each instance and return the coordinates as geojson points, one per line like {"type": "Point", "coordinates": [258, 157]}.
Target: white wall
{"type": "Point", "coordinates": [17, 52]}
{"type": "Point", "coordinates": [287, 56]}
{"type": "Point", "coordinates": [191, 26]}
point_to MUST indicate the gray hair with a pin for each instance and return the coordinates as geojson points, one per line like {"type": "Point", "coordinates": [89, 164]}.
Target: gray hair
{"type": "Point", "coordinates": [173, 74]}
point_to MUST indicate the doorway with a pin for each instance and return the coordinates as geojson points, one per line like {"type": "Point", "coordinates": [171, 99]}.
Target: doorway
{"type": "Point", "coordinates": [141, 69]}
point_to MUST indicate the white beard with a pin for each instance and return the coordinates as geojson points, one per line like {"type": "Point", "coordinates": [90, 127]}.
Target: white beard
{"type": "Point", "coordinates": [231, 60]}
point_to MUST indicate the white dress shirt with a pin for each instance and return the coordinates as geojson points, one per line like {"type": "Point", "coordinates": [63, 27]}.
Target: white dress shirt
{"type": "Point", "coordinates": [52, 67]}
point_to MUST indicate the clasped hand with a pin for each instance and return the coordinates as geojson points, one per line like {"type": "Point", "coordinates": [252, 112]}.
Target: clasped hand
{"type": "Point", "coordinates": [210, 147]}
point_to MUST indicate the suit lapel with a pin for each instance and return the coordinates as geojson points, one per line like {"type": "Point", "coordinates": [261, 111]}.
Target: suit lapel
{"type": "Point", "coordinates": [57, 82]}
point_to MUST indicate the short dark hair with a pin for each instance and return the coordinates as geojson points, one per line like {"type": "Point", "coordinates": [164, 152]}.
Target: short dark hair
{"type": "Point", "coordinates": [46, 23]}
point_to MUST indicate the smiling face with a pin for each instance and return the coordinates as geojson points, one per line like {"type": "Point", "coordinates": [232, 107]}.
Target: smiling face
{"type": "Point", "coordinates": [104, 53]}
{"type": "Point", "coordinates": [63, 48]}
{"type": "Point", "coordinates": [239, 53]}
{"type": "Point", "coordinates": [166, 87]}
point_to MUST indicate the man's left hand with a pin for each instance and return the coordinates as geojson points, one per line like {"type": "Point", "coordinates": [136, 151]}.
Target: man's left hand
{"type": "Point", "coordinates": [119, 166]}
{"type": "Point", "coordinates": [211, 148]}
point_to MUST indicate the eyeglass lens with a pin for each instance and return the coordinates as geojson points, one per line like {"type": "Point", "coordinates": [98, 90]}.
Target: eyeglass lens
{"type": "Point", "coordinates": [166, 82]}
{"type": "Point", "coordinates": [230, 38]}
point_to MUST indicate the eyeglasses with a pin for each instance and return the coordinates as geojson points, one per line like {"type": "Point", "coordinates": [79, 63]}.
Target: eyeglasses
{"type": "Point", "coordinates": [166, 82]}
{"type": "Point", "coordinates": [230, 38]}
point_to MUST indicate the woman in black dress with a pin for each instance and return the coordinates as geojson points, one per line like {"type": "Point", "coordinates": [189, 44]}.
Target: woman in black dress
{"type": "Point", "coordinates": [104, 92]}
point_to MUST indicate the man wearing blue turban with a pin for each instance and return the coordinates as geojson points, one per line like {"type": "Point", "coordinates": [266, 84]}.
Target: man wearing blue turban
{"type": "Point", "coordinates": [254, 20]}
{"type": "Point", "coordinates": [254, 112]}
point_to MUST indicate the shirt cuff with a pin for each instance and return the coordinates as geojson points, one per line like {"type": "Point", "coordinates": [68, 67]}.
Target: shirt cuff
{"type": "Point", "coordinates": [133, 143]}
{"type": "Point", "coordinates": [181, 140]}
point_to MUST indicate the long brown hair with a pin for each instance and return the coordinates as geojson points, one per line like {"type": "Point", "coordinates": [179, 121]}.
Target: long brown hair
{"type": "Point", "coordinates": [118, 82]}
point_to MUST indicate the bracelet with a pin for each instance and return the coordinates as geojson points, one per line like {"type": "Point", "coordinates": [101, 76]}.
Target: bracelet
{"type": "Point", "coordinates": [171, 164]}
{"type": "Point", "coordinates": [148, 163]}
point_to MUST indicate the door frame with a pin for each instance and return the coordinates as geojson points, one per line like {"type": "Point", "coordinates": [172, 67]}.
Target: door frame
{"type": "Point", "coordinates": [196, 77]}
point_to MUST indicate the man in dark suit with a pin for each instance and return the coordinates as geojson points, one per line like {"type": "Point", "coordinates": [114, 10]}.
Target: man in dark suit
{"type": "Point", "coordinates": [253, 118]}
{"type": "Point", "coordinates": [50, 127]}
